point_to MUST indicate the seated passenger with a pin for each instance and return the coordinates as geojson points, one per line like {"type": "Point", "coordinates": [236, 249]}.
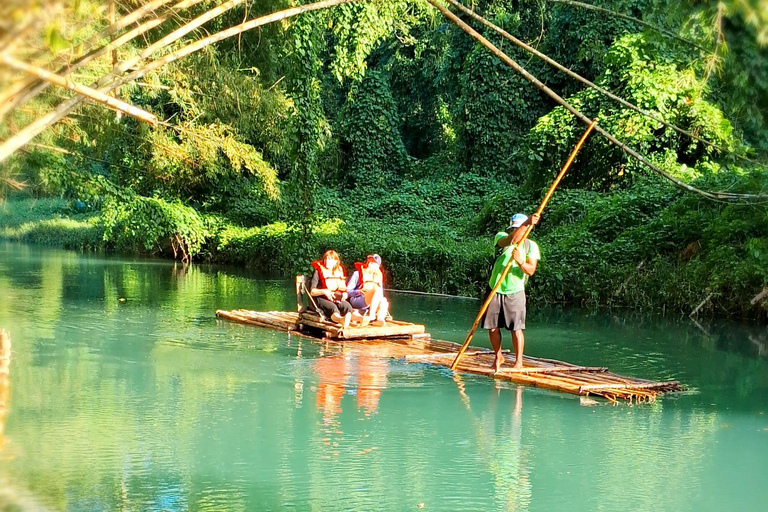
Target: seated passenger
{"type": "Point", "coordinates": [328, 290]}
{"type": "Point", "coordinates": [366, 290]}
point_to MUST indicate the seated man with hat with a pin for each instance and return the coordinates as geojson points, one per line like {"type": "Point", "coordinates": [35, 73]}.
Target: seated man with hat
{"type": "Point", "coordinates": [366, 290]}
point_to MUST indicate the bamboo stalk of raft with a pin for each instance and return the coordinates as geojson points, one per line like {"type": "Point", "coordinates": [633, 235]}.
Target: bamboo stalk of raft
{"type": "Point", "coordinates": [261, 320]}
{"type": "Point", "coordinates": [393, 328]}
{"type": "Point", "coordinates": [419, 348]}
{"type": "Point", "coordinates": [564, 378]}
{"type": "Point", "coordinates": [530, 369]}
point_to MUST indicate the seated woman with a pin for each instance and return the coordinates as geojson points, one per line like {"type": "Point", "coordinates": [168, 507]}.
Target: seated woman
{"type": "Point", "coordinates": [366, 290]}
{"type": "Point", "coordinates": [328, 290]}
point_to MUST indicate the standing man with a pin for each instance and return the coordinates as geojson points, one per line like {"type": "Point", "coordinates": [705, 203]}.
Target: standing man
{"type": "Point", "coordinates": [507, 308]}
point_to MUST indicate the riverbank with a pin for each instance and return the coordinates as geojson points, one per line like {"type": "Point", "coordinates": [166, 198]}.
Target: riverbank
{"type": "Point", "coordinates": [598, 250]}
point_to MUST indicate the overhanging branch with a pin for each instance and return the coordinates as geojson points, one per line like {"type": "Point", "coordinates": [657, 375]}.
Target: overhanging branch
{"type": "Point", "coordinates": [86, 92]}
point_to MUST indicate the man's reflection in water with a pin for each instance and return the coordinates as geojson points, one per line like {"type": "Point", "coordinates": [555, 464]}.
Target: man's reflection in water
{"type": "Point", "coordinates": [5, 380]}
{"type": "Point", "coordinates": [499, 435]}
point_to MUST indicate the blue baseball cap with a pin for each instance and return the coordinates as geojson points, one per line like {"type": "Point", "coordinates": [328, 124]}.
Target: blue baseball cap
{"type": "Point", "coordinates": [517, 220]}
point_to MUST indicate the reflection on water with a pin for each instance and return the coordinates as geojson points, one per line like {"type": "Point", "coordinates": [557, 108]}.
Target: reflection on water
{"type": "Point", "coordinates": [333, 374]}
{"type": "Point", "coordinates": [150, 403]}
{"type": "Point", "coordinates": [5, 380]}
{"type": "Point", "coordinates": [342, 371]}
{"type": "Point", "coordinates": [365, 367]}
{"type": "Point", "coordinates": [371, 380]}
{"type": "Point", "coordinates": [501, 445]}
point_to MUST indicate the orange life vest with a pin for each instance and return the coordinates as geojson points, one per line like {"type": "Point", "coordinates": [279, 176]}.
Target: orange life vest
{"type": "Point", "coordinates": [332, 280]}
{"type": "Point", "coordinates": [369, 277]}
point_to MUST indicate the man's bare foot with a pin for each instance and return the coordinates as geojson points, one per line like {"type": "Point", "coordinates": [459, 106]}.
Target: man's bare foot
{"type": "Point", "coordinates": [497, 364]}
{"type": "Point", "coordinates": [518, 365]}
{"type": "Point", "coordinates": [365, 321]}
{"type": "Point", "coordinates": [379, 323]}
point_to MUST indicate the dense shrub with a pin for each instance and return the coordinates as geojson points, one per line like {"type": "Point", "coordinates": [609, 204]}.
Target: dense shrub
{"type": "Point", "coordinates": [149, 225]}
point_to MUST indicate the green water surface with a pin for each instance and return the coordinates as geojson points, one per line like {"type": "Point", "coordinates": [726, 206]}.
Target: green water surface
{"type": "Point", "coordinates": [151, 403]}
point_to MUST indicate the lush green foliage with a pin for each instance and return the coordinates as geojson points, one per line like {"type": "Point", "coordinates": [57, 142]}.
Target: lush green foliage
{"type": "Point", "coordinates": [376, 154]}
{"type": "Point", "coordinates": [152, 225]}
{"type": "Point", "coordinates": [49, 222]}
{"type": "Point", "coordinates": [380, 127]}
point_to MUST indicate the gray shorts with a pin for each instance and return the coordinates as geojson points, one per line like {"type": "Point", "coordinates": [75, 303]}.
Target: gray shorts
{"type": "Point", "coordinates": [505, 311]}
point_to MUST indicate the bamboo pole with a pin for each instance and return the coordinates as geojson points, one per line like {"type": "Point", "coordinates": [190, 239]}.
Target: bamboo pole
{"type": "Point", "coordinates": [126, 20]}
{"type": "Point", "coordinates": [507, 371]}
{"type": "Point", "coordinates": [556, 369]}
{"type": "Point", "coordinates": [508, 267]}
{"type": "Point", "coordinates": [587, 82]}
{"type": "Point", "coordinates": [633, 387]}
{"type": "Point", "coordinates": [112, 16]}
{"type": "Point", "coordinates": [87, 92]}
{"type": "Point", "coordinates": [30, 131]}
{"type": "Point", "coordinates": [14, 95]}
{"type": "Point", "coordinates": [124, 39]}
{"type": "Point", "coordinates": [230, 32]}
{"type": "Point", "coordinates": [260, 321]}
{"type": "Point", "coordinates": [717, 196]}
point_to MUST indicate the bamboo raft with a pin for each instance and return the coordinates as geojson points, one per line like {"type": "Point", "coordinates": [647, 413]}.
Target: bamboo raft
{"type": "Point", "coordinates": [411, 342]}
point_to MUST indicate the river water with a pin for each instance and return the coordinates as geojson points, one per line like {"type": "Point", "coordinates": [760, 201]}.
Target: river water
{"type": "Point", "coordinates": [124, 392]}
